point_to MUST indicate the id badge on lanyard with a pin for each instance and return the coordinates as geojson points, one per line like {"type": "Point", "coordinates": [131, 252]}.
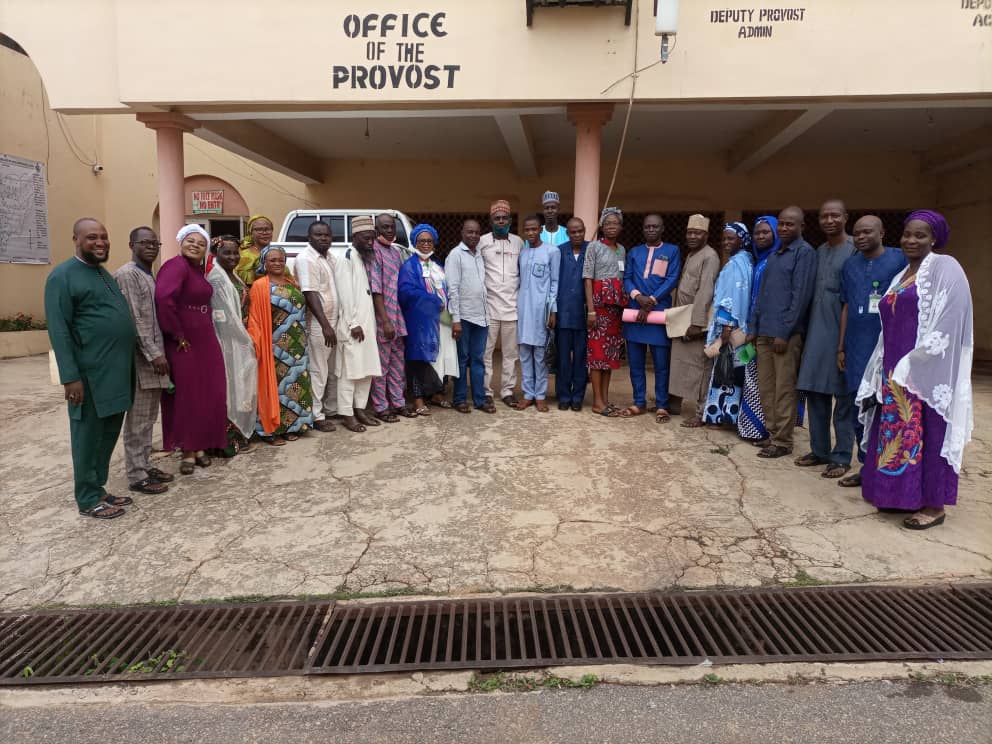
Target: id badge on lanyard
{"type": "Point", "coordinates": [873, 299]}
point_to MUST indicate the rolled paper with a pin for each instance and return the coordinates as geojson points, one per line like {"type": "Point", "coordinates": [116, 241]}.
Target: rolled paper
{"type": "Point", "coordinates": [655, 317]}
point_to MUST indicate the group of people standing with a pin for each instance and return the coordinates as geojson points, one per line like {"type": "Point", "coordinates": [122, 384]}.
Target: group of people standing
{"type": "Point", "coordinates": [875, 341]}
{"type": "Point", "coordinates": [235, 348]}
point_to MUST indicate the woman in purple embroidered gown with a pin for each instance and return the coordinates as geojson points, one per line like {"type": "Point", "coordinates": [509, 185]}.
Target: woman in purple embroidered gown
{"type": "Point", "coordinates": [194, 417]}
{"type": "Point", "coordinates": [919, 381]}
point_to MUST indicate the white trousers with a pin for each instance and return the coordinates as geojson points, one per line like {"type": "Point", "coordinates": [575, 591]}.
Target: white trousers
{"type": "Point", "coordinates": [506, 332]}
{"type": "Point", "coordinates": [322, 378]}
{"type": "Point", "coordinates": [353, 394]}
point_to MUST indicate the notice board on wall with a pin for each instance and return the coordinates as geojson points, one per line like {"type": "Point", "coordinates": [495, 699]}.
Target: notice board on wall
{"type": "Point", "coordinates": [23, 211]}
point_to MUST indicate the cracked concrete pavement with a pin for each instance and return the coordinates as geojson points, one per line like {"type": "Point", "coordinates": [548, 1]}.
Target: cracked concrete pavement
{"type": "Point", "coordinates": [460, 504]}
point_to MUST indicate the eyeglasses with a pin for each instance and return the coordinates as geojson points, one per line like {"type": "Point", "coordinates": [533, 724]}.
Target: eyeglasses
{"type": "Point", "coordinates": [149, 243]}
{"type": "Point", "coordinates": [261, 229]}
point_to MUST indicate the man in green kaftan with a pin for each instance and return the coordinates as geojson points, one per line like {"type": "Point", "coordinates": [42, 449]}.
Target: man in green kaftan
{"type": "Point", "coordinates": [93, 337]}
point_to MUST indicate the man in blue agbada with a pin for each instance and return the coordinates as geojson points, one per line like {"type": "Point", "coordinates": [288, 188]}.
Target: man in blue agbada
{"type": "Point", "coordinates": [572, 336]}
{"type": "Point", "coordinates": [650, 274]}
{"type": "Point", "coordinates": [537, 308]}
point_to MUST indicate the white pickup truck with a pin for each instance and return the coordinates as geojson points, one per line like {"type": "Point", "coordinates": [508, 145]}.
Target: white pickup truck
{"type": "Point", "coordinates": [293, 235]}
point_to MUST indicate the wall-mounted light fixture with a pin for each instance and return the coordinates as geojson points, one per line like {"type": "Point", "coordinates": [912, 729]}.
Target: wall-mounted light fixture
{"type": "Point", "coordinates": [666, 23]}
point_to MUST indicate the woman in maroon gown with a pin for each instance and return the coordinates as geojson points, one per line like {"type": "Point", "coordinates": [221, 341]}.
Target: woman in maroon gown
{"type": "Point", "coordinates": [194, 416]}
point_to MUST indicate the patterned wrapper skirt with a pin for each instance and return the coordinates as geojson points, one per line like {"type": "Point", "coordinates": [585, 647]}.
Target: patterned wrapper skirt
{"type": "Point", "coordinates": [605, 340]}
{"type": "Point", "coordinates": [750, 419]}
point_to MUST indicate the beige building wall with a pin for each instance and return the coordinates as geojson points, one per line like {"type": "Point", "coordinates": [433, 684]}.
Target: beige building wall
{"type": "Point", "coordinates": [964, 197]}
{"type": "Point", "coordinates": [124, 195]}
{"type": "Point", "coordinates": [911, 47]}
{"type": "Point", "coordinates": [881, 181]}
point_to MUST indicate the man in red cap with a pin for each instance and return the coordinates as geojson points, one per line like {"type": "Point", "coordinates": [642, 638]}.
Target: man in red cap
{"type": "Point", "coordinates": [501, 255]}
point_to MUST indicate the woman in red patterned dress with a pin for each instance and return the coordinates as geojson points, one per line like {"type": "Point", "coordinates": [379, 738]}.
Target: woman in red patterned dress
{"type": "Point", "coordinates": [602, 273]}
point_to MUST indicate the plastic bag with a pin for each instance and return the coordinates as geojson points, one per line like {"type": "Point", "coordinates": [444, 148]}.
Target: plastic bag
{"type": "Point", "coordinates": [723, 369]}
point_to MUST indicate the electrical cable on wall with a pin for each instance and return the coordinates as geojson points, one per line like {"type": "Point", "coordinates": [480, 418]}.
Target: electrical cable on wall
{"type": "Point", "coordinates": [74, 147]}
{"type": "Point", "coordinates": [272, 185]}
{"type": "Point", "coordinates": [633, 85]}
{"type": "Point", "coordinates": [630, 105]}
{"type": "Point", "coordinates": [48, 134]}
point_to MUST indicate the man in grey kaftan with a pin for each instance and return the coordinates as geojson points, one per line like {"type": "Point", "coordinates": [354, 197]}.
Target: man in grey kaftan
{"type": "Point", "coordinates": [819, 376]}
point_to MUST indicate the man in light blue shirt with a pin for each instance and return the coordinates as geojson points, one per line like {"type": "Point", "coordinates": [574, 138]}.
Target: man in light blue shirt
{"type": "Point", "coordinates": [553, 233]}
{"type": "Point", "coordinates": [537, 308]}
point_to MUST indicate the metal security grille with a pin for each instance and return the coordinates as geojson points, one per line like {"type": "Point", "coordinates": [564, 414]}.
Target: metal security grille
{"type": "Point", "coordinates": [892, 220]}
{"type": "Point", "coordinates": [297, 638]}
{"type": "Point", "coordinates": [675, 224]}
{"type": "Point", "coordinates": [449, 226]}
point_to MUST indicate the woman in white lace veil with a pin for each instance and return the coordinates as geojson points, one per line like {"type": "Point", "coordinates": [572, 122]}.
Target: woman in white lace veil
{"type": "Point", "coordinates": [915, 396]}
{"type": "Point", "coordinates": [228, 303]}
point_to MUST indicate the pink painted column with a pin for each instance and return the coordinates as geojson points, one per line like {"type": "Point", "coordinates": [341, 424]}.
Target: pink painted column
{"type": "Point", "coordinates": [588, 119]}
{"type": "Point", "coordinates": [169, 129]}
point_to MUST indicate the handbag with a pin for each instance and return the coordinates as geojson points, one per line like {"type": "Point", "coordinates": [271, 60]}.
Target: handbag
{"type": "Point", "coordinates": [737, 340]}
{"type": "Point", "coordinates": [723, 367]}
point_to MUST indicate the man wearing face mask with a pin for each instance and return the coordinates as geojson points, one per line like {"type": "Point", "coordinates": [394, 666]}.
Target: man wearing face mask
{"type": "Point", "coordinates": [501, 255]}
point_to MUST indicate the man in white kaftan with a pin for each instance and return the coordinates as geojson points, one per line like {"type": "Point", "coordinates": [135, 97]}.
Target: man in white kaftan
{"type": "Point", "coordinates": [357, 358]}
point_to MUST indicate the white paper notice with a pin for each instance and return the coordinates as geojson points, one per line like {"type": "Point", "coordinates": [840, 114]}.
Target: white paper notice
{"type": "Point", "coordinates": [23, 211]}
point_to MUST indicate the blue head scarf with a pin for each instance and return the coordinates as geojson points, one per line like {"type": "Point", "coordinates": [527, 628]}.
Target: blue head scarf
{"type": "Point", "coordinates": [776, 244]}
{"type": "Point", "coordinates": [740, 229]}
{"type": "Point", "coordinates": [732, 293]}
{"type": "Point", "coordinates": [761, 257]}
{"type": "Point", "coordinates": [422, 228]}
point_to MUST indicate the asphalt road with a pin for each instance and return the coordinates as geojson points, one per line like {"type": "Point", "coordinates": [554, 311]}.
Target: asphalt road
{"type": "Point", "coordinates": [875, 712]}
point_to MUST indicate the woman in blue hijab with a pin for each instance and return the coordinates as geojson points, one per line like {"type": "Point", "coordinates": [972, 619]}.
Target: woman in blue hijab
{"type": "Point", "coordinates": [423, 294]}
{"type": "Point", "coordinates": [751, 421]}
{"type": "Point", "coordinates": [731, 310]}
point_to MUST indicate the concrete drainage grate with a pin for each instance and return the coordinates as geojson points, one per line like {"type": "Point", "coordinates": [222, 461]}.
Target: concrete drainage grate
{"type": "Point", "coordinates": [326, 637]}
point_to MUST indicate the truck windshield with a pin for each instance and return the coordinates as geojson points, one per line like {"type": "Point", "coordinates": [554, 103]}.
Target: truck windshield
{"type": "Point", "coordinates": [401, 236]}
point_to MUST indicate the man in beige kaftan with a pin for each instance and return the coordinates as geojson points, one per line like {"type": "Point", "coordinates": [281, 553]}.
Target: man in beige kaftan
{"type": "Point", "coordinates": [689, 378]}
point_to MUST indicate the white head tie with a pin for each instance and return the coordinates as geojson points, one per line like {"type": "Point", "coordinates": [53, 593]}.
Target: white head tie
{"type": "Point", "coordinates": [181, 235]}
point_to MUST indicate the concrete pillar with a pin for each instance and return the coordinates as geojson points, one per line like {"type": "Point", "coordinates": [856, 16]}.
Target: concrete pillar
{"type": "Point", "coordinates": [169, 129]}
{"type": "Point", "coordinates": [588, 119]}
